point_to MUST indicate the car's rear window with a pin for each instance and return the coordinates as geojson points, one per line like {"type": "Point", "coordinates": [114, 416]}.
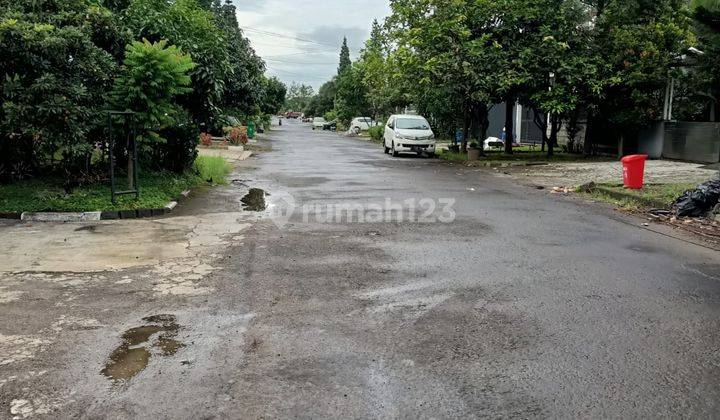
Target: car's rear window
{"type": "Point", "coordinates": [412, 124]}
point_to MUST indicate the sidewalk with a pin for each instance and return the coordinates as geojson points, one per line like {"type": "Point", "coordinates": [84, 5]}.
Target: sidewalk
{"type": "Point", "coordinates": [575, 174]}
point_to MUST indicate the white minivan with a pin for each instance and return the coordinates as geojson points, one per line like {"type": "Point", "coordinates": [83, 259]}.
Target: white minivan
{"type": "Point", "coordinates": [409, 134]}
{"type": "Point", "coordinates": [361, 124]}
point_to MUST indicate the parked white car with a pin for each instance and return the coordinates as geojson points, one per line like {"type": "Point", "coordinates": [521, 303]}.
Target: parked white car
{"type": "Point", "coordinates": [318, 123]}
{"type": "Point", "coordinates": [361, 124]}
{"type": "Point", "coordinates": [493, 143]}
{"type": "Point", "coordinates": [409, 134]}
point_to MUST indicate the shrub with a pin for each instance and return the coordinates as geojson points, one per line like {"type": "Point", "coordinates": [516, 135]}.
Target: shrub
{"type": "Point", "coordinates": [206, 139]}
{"type": "Point", "coordinates": [213, 169]}
{"type": "Point", "coordinates": [376, 133]}
{"type": "Point", "coordinates": [49, 105]}
{"type": "Point", "coordinates": [237, 135]}
{"type": "Point", "coordinates": [179, 151]}
{"type": "Point", "coordinates": [152, 77]}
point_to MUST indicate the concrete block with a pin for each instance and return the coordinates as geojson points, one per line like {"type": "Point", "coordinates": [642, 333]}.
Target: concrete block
{"type": "Point", "coordinates": [61, 217]}
{"type": "Point", "coordinates": [110, 215]}
{"type": "Point", "coordinates": [128, 214]}
{"type": "Point", "coordinates": [142, 213]}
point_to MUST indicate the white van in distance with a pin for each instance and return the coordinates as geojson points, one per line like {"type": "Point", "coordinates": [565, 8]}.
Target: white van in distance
{"type": "Point", "coordinates": [409, 134]}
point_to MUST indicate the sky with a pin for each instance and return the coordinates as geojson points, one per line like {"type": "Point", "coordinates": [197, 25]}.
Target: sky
{"type": "Point", "coordinates": [280, 30]}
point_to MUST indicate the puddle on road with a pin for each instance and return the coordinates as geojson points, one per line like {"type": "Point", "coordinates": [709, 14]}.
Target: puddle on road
{"type": "Point", "coordinates": [254, 200]}
{"type": "Point", "coordinates": [89, 228]}
{"type": "Point", "coordinates": [133, 355]}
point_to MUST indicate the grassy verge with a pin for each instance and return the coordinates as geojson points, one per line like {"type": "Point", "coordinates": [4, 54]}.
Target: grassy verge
{"type": "Point", "coordinates": [156, 190]}
{"type": "Point", "coordinates": [520, 155]}
{"type": "Point", "coordinates": [213, 169]}
{"type": "Point", "coordinates": [651, 196]}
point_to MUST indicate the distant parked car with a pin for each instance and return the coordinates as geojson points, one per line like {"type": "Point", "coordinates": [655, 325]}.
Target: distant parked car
{"type": "Point", "coordinates": [409, 134]}
{"type": "Point", "coordinates": [493, 143]}
{"type": "Point", "coordinates": [330, 125]}
{"type": "Point", "coordinates": [361, 124]}
{"type": "Point", "coordinates": [318, 123]}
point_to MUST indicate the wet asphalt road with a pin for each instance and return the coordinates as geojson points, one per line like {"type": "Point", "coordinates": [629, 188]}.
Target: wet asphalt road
{"type": "Point", "coordinates": [526, 305]}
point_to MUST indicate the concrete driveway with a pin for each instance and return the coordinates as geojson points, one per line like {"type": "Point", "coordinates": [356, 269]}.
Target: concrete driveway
{"type": "Point", "coordinates": [502, 301]}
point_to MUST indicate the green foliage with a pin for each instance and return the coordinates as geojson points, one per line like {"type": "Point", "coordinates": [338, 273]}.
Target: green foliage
{"type": "Point", "coordinates": [331, 115]}
{"type": "Point", "coordinates": [213, 169]}
{"type": "Point", "coordinates": [345, 62]}
{"type": "Point", "coordinates": [178, 151]}
{"type": "Point", "coordinates": [377, 133]}
{"type": "Point", "coordinates": [274, 92]}
{"type": "Point", "coordinates": [298, 97]}
{"type": "Point", "coordinates": [245, 86]}
{"type": "Point", "coordinates": [153, 75]}
{"type": "Point", "coordinates": [195, 30]}
{"type": "Point", "coordinates": [706, 82]}
{"type": "Point", "coordinates": [641, 41]}
{"type": "Point", "coordinates": [350, 98]}
{"type": "Point", "coordinates": [50, 105]}
{"type": "Point", "coordinates": [324, 101]}
{"type": "Point", "coordinates": [49, 194]}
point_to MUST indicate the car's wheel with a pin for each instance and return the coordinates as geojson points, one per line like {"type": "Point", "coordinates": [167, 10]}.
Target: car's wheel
{"type": "Point", "coordinates": [387, 149]}
{"type": "Point", "coordinates": [356, 130]}
{"type": "Point", "coordinates": [431, 155]}
{"type": "Point", "coordinates": [395, 153]}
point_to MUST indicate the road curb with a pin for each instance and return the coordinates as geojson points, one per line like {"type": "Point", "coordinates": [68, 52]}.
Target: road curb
{"type": "Point", "coordinates": [69, 217]}
{"type": "Point", "coordinates": [618, 195]}
{"type": "Point", "coordinates": [93, 216]}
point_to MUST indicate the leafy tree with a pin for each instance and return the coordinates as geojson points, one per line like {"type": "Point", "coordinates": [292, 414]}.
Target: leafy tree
{"type": "Point", "coordinates": [274, 92]}
{"type": "Point", "coordinates": [707, 77]}
{"type": "Point", "coordinates": [298, 97]}
{"type": "Point", "coordinates": [243, 92]}
{"type": "Point", "coordinates": [562, 69]}
{"type": "Point", "coordinates": [642, 43]}
{"type": "Point", "coordinates": [447, 59]}
{"type": "Point", "coordinates": [195, 30]}
{"type": "Point", "coordinates": [372, 66]}
{"type": "Point", "coordinates": [50, 105]}
{"type": "Point", "coordinates": [324, 101]}
{"type": "Point", "coordinates": [350, 99]}
{"type": "Point", "coordinates": [153, 76]}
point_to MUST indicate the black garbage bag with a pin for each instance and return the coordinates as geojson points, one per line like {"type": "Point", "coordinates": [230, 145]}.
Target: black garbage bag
{"type": "Point", "coordinates": [697, 202]}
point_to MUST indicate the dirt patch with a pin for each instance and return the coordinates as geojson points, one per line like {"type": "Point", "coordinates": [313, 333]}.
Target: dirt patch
{"type": "Point", "coordinates": [576, 174]}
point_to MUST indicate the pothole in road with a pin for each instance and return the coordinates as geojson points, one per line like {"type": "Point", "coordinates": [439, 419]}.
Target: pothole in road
{"type": "Point", "coordinates": [254, 200]}
{"type": "Point", "coordinates": [133, 355]}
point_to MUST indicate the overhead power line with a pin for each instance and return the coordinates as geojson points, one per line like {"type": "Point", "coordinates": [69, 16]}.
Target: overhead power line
{"type": "Point", "coordinates": [299, 62]}
{"type": "Point", "coordinates": [293, 37]}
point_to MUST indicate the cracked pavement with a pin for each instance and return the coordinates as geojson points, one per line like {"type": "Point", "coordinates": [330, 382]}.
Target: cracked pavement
{"type": "Point", "coordinates": [526, 305]}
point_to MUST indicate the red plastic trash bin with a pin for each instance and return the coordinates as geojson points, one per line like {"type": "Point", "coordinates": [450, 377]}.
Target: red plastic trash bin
{"type": "Point", "coordinates": [634, 171]}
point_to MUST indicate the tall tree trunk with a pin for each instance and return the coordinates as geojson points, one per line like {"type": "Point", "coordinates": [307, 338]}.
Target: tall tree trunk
{"type": "Point", "coordinates": [509, 108]}
{"type": "Point", "coordinates": [466, 128]}
{"type": "Point", "coordinates": [130, 166]}
{"type": "Point", "coordinates": [483, 117]}
{"type": "Point", "coordinates": [589, 133]}
{"type": "Point", "coordinates": [540, 121]}
{"type": "Point", "coordinates": [554, 128]}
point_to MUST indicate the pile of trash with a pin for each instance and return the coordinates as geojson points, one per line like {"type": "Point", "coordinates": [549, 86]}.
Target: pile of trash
{"type": "Point", "coordinates": [700, 201]}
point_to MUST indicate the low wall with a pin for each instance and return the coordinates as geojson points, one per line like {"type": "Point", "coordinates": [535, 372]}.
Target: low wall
{"type": "Point", "coordinates": [692, 141]}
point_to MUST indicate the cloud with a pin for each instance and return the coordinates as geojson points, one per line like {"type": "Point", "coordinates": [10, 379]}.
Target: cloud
{"type": "Point", "coordinates": [279, 26]}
